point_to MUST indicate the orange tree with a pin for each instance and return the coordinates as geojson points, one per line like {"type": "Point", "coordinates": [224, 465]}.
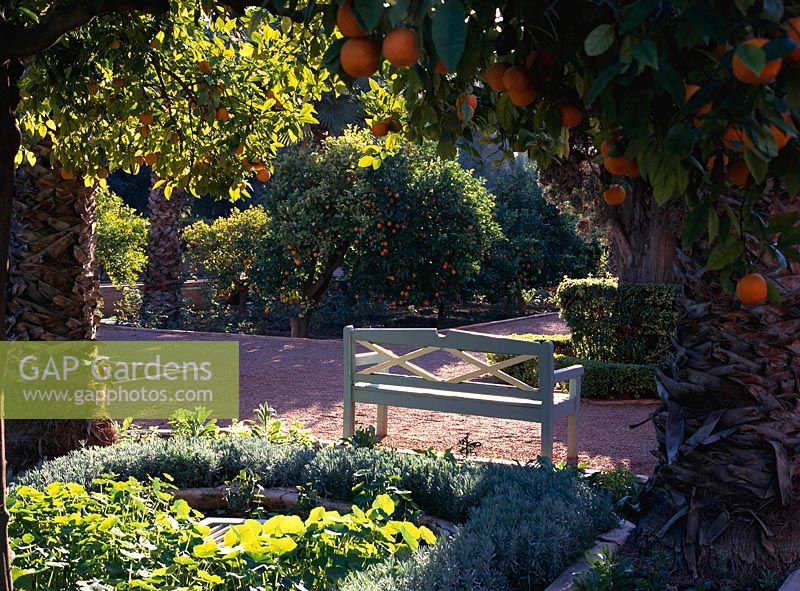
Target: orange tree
{"type": "Point", "coordinates": [430, 229]}
{"type": "Point", "coordinates": [697, 99]}
{"type": "Point", "coordinates": [662, 87]}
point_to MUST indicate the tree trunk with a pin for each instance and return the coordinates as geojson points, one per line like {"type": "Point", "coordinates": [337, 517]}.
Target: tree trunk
{"type": "Point", "coordinates": [643, 238]}
{"type": "Point", "coordinates": [10, 73]}
{"type": "Point", "coordinates": [161, 302]}
{"type": "Point", "coordinates": [728, 435]}
{"type": "Point", "coordinates": [300, 326]}
{"type": "Point", "coordinates": [53, 292]}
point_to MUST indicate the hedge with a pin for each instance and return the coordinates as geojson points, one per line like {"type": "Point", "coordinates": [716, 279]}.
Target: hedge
{"type": "Point", "coordinates": [601, 380]}
{"type": "Point", "coordinates": [520, 525]}
{"type": "Point", "coordinates": [618, 323]}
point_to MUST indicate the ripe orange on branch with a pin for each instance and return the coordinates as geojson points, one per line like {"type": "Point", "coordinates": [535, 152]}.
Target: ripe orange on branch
{"type": "Point", "coordinates": [738, 173]}
{"type": "Point", "coordinates": [614, 195]}
{"type": "Point", "coordinates": [263, 175]}
{"type": "Point", "coordinates": [360, 56]}
{"type": "Point", "coordinates": [347, 22]}
{"type": "Point", "coordinates": [146, 118]}
{"type": "Point", "coordinates": [571, 116]}
{"type": "Point", "coordinates": [744, 74]}
{"type": "Point", "coordinates": [380, 128]}
{"type": "Point", "coordinates": [470, 100]}
{"type": "Point", "coordinates": [494, 76]}
{"type": "Point", "coordinates": [222, 114]}
{"type": "Point", "coordinates": [736, 139]}
{"type": "Point", "coordinates": [523, 98]}
{"type": "Point", "coordinates": [400, 47]}
{"type": "Point", "coordinates": [752, 289]}
{"type": "Point", "coordinates": [517, 79]}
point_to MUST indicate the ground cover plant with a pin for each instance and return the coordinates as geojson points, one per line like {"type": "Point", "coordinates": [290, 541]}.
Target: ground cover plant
{"type": "Point", "coordinates": [519, 525]}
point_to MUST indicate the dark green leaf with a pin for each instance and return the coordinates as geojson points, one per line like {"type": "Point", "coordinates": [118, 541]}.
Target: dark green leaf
{"type": "Point", "coordinates": [331, 58]}
{"type": "Point", "coordinates": [694, 225]}
{"type": "Point", "coordinates": [724, 254]}
{"type": "Point", "coordinates": [708, 23]}
{"type": "Point", "coordinates": [449, 30]}
{"type": "Point", "coordinates": [599, 40]}
{"type": "Point", "coordinates": [398, 11]}
{"type": "Point", "coordinates": [368, 13]}
{"type": "Point", "coordinates": [637, 14]}
{"type": "Point", "coordinates": [646, 53]}
{"type": "Point", "coordinates": [602, 81]}
{"type": "Point", "coordinates": [668, 79]}
{"type": "Point", "coordinates": [752, 57]}
{"type": "Point", "coordinates": [757, 165]}
{"type": "Point", "coordinates": [778, 48]}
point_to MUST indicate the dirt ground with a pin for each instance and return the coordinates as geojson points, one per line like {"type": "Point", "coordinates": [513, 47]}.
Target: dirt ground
{"type": "Point", "coordinates": [302, 379]}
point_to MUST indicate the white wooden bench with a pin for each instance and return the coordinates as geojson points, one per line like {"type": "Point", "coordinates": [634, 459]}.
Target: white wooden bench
{"type": "Point", "coordinates": [418, 388]}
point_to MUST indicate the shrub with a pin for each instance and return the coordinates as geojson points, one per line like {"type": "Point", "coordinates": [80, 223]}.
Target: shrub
{"type": "Point", "coordinates": [521, 524]}
{"type": "Point", "coordinates": [601, 380]}
{"type": "Point", "coordinates": [224, 250]}
{"type": "Point", "coordinates": [121, 239]}
{"type": "Point", "coordinates": [619, 323]}
{"type": "Point", "coordinates": [541, 245]}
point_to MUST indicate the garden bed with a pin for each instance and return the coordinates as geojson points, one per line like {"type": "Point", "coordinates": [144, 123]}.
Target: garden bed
{"type": "Point", "coordinates": [518, 526]}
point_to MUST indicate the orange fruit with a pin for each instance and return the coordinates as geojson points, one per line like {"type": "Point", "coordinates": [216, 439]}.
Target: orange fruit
{"type": "Point", "coordinates": [204, 67]}
{"type": "Point", "coordinates": [222, 114]}
{"type": "Point", "coordinates": [93, 88]}
{"type": "Point", "coordinates": [278, 104]}
{"type": "Point", "coordinates": [394, 125]}
{"type": "Point", "coordinates": [494, 76]}
{"type": "Point", "coordinates": [614, 195]}
{"type": "Point", "coordinates": [102, 173]}
{"type": "Point", "coordinates": [735, 139]}
{"type": "Point", "coordinates": [263, 175]}
{"type": "Point", "coordinates": [606, 147]}
{"type": "Point", "coordinates": [117, 82]}
{"type": "Point", "coordinates": [751, 289]}
{"type": "Point", "coordinates": [67, 175]}
{"type": "Point", "coordinates": [139, 160]}
{"type": "Point", "coordinates": [744, 74]}
{"type": "Point", "coordinates": [150, 159]}
{"type": "Point", "coordinates": [470, 99]}
{"type": "Point", "coordinates": [400, 47]}
{"type": "Point", "coordinates": [145, 131]}
{"type": "Point", "coordinates": [631, 168]}
{"type": "Point", "coordinates": [239, 149]}
{"type": "Point", "coordinates": [793, 32]}
{"type": "Point", "coordinates": [517, 79]}
{"type": "Point", "coordinates": [346, 21]}
{"type": "Point", "coordinates": [360, 56]}
{"type": "Point", "coordinates": [380, 128]}
{"type": "Point", "coordinates": [705, 109]}
{"type": "Point", "coordinates": [738, 173]}
{"type": "Point", "coordinates": [175, 138]}
{"type": "Point", "coordinates": [440, 67]}
{"type": "Point", "coordinates": [571, 116]}
{"type": "Point", "coordinates": [523, 98]}
{"type": "Point", "coordinates": [781, 137]}
{"type": "Point", "coordinates": [616, 165]}
{"type": "Point", "coordinates": [712, 160]}
{"type": "Point", "coordinates": [146, 118]}
{"type": "Point", "coordinates": [115, 44]}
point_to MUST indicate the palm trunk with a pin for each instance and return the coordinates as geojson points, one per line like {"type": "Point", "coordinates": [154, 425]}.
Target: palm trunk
{"type": "Point", "coordinates": [723, 496]}
{"type": "Point", "coordinates": [53, 292]}
{"type": "Point", "coordinates": [161, 301]}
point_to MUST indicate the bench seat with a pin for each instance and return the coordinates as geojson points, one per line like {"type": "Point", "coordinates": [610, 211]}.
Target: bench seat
{"type": "Point", "coordinates": [501, 407]}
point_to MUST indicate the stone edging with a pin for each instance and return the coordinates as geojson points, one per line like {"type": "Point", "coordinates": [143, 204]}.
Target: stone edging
{"type": "Point", "coordinates": [610, 541]}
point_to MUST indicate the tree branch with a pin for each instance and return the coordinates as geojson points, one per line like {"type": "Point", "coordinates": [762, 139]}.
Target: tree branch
{"type": "Point", "coordinates": [23, 42]}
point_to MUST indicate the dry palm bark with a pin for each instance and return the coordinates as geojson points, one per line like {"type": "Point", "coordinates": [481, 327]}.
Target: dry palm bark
{"type": "Point", "coordinates": [162, 277]}
{"type": "Point", "coordinates": [53, 291]}
{"type": "Point", "coordinates": [723, 497]}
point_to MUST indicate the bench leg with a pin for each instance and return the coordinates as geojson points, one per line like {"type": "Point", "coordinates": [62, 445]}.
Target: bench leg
{"type": "Point", "coordinates": [572, 439]}
{"type": "Point", "coordinates": [547, 440]}
{"type": "Point", "coordinates": [349, 415]}
{"type": "Point", "coordinates": [382, 422]}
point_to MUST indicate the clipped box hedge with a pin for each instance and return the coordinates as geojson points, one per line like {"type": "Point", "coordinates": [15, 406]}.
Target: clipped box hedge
{"type": "Point", "coordinates": [618, 323]}
{"type": "Point", "coordinates": [601, 380]}
{"type": "Point", "coordinates": [520, 526]}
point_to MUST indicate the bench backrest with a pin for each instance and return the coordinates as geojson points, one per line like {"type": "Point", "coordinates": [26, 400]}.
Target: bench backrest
{"type": "Point", "coordinates": [380, 359]}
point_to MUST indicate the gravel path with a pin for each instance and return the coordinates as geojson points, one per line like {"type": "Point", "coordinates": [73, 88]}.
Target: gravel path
{"type": "Point", "coordinates": [302, 379]}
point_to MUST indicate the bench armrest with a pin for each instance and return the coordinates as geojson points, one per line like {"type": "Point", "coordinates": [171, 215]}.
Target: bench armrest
{"type": "Point", "coordinates": [568, 373]}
